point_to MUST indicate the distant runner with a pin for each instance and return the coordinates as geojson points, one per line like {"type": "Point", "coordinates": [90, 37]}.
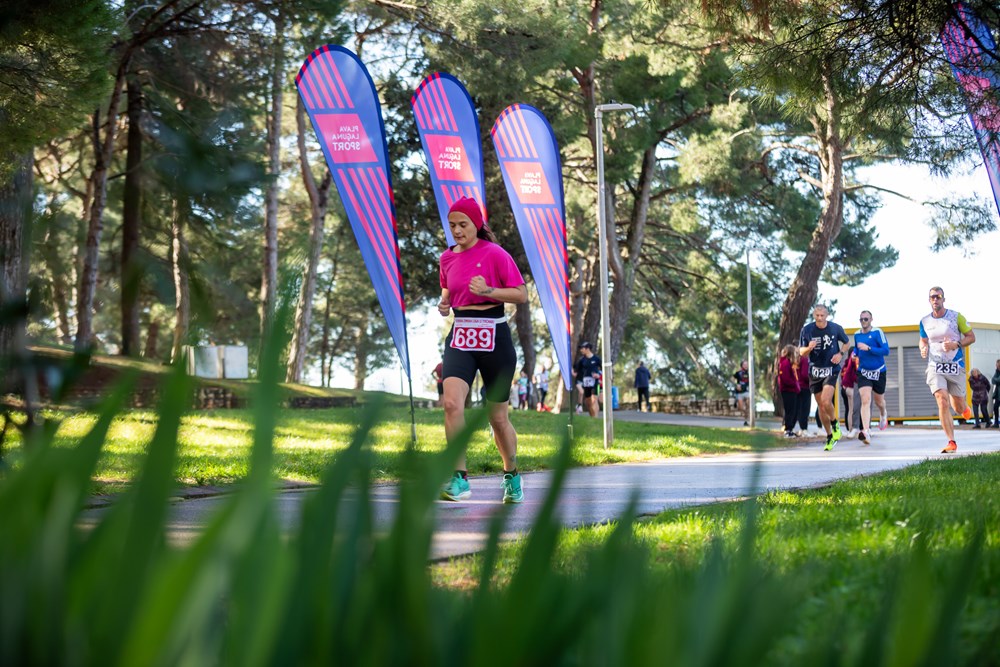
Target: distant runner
{"type": "Point", "coordinates": [943, 334]}
{"type": "Point", "coordinates": [824, 342]}
{"type": "Point", "coordinates": [741, 390]}
{"type": "Point", "coordinates": [589, 376]}
{"type": "Point", "coordinates": [872, 349]}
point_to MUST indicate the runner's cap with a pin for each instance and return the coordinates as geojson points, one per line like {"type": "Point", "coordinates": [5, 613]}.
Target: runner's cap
{"type": "Point", "coordinates": [469, 207]}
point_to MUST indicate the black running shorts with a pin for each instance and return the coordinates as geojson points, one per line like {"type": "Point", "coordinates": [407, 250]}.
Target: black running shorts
{"type": "Point", "coordinates": [496, 367]}
{"type": "Point", "coordinates": [823, 376]}
{"type": "Point", "coordinates": [873, 379]}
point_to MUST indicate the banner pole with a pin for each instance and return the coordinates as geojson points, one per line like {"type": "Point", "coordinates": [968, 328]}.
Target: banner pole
{"type": "Point", "coordinates": [413, 416]}
{"type": "Point", "coordinates": [569, 426]}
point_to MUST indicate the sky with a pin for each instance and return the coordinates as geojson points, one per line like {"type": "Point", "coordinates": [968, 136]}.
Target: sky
{"type": "Point", "coordinates": [896, 296]}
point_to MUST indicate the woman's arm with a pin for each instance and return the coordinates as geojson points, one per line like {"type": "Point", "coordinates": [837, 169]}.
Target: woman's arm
{"type": "Point", "coordinates": [444, 305]}
{"type": "Point", "coordinates": [517, 294]}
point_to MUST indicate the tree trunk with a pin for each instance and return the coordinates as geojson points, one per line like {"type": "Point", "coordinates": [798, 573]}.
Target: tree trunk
{"type": "Point", "coordinates": [361, 353]}
{"type": "Point", "coordinates": [525, 337]}
{"type": "Point", "coordinates": [324, 347]}
{"type": "Point", "coordinates": [625, 266]}
{"type": "Point", "coordinates": [577, 300]}
{"type": "Point", "coordinates": [151, 338]}
{"type": "Point", "coordinates": [15, 221]}
{"type": "Point", "coordinates": [592, 315]}
{"type": "Point", "coordinates": [51, 250]}
{"type": "Point", "coordinates": [60, 309]}
{"type": "Point", "coordinates": [79, 250]}
{"type": "Point", "coordinates": [805, 286]}
{"type": "Point", "coordinates": [318, 197]}
{"type": "Point", "coordinates": [269, 276]}
{"type": "Point", "coordinates": [182, 292]}
{"type": "Point", "coordinates": [103, 153]}
{"type": "Point", "coordinates": [131, 273]}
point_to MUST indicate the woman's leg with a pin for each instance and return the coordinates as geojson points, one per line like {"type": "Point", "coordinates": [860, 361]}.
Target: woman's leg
{"type": "Point", "coordinates": [790, 403]}
{"type": "Point", "coordinates": [980, 406]}
{"type": "Point", "coordinates": [504, 435]}
{"type": "Point", "coordinates": [850, 408]}
{"type": "Point", "coordinates": [804, 410]}
{"type": "Point", "coordinates": [455, 392]}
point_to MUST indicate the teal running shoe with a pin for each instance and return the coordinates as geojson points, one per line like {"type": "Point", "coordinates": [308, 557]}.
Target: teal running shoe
{"type": "Point", "coordinates": [512, 491]}
{"type": "Point", "coordinates": [456, 489]}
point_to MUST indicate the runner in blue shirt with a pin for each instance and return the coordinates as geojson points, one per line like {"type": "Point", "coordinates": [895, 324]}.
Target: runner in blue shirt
{"type": "Point", "coordinates": [872, 348]}
{"type": "Point", "coordinates": [825, 343]}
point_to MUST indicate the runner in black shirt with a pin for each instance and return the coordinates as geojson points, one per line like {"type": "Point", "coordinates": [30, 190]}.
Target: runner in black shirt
{"type": "Point", "coordinates": [824, 342]}
{"type": "Point", "coordinates": [589, 374]}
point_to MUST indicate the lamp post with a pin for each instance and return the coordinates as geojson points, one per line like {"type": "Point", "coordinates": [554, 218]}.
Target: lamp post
{"type": "Point", "coordinates": [751, 412]}
{"type": "Point", "coordinates": [609, 429]}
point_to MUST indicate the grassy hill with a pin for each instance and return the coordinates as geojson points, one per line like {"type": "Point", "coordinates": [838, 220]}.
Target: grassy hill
{"type": "Point", "coordinates": [67, 379]}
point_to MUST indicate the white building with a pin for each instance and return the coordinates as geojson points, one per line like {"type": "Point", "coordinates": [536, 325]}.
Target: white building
{"type": "Point", "coordinates": [906, 393]}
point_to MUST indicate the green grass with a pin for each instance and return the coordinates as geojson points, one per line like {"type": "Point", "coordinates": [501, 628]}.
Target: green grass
{"type": "Point", "coordinates": [899, 569]}
{"type": "Point", "coordinates": [214, 446]}
{"type": "Point", "coordinates": [839, 551]}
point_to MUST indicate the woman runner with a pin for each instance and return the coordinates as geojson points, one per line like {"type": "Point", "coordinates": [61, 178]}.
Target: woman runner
{"type": "Point", "coordinates": [477, 278]}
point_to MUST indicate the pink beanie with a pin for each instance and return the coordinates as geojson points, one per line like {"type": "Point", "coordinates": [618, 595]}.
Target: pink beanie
{"type": "Point", "coordinates": [469, 207]}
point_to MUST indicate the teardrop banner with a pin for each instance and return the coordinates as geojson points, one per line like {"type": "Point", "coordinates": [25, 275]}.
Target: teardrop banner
{"type": "Point", "coordinates": [449, 132]}
{"type": "Point", "coordinates": [342, 104]}
{"type": "Point", "coordinates": [969, 46]}
{"type": "Point", "coordinates": [532, 173]}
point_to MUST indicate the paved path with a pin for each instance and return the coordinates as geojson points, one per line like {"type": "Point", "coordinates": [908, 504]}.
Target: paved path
{"type": "Point", "coordinates": [598, 494]}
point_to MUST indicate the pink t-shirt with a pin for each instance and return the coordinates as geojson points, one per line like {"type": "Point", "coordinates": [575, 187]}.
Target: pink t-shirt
{"type": "Point", "coordinates": [483, 259]}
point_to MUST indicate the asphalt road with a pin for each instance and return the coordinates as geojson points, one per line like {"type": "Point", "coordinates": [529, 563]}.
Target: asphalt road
{"type": "Point", "coordinates": [598, 494]}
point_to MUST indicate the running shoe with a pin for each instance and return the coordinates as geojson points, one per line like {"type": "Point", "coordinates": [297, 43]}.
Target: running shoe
{"type": "Point", "coordinates": [836, 432]}
{"type": "Point", "coordinates": [865, 438]}
{"type": "Point", "coordinates": [512, 491]}
{"type": "Point", "coordinates": [967, 415]}
{"type": "Point", "coordinates": [789, 434]}
{"type": "Point", "coordinates": [457, 488]}
{"type": "Point", "coordinates": [851, 434]}
{"type": "Point", "coordinates": [830, 442]}
{"type": "Point", "coordinates": [950, 447]}
{"type": "Point", "coordinates": [883, 422]}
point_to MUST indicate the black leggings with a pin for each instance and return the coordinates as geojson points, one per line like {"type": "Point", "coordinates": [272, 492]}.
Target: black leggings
{"type": "Point", "coordinates": [790, 403]}
{"type": "Point", "coordinates": [983, 406]}
{"type": "Point", "coordinates": [805, 399]}
{"type": "Point", "coordinates": [996, 411]}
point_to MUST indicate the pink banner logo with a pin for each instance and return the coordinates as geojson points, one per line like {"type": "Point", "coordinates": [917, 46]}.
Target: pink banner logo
{"type": "Point", "coordinates": [346, 138]}
{"type": "Point", "coordinates": [449, 158]}
{"type": "Point", "coordinates": [529, 179]}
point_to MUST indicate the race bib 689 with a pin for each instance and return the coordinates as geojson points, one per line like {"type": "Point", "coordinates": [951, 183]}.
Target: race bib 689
{"type": "Point", "coordinates": [474, 334]}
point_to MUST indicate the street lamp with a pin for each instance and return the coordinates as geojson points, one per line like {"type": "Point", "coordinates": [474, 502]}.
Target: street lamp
{"type": "Point", "coordinates": [609, 429]}
{"type": "Point", "coordinates": [751, 403]}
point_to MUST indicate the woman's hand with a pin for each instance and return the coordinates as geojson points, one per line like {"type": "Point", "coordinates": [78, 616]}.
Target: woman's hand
{"type": "Point", "coordinates": [444, 305]}
{"type": "Point", "coordinates": [479, 287]}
